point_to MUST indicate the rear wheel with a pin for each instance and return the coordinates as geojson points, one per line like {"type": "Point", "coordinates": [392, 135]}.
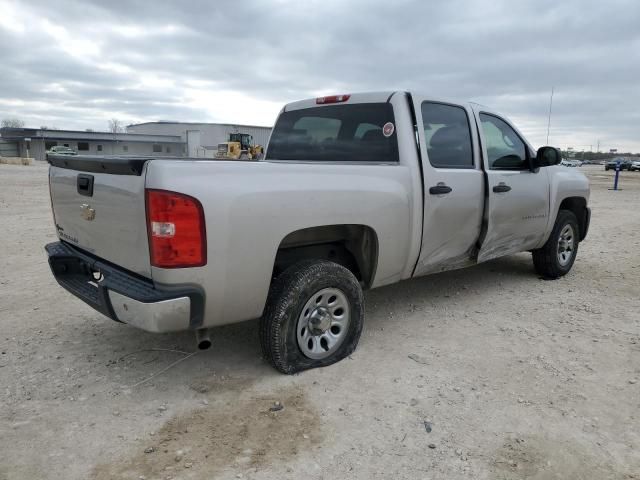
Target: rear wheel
{"type": "Point", "coordinates": [313, 318]}
{"type": "Point", "coordinates": [556, 257]}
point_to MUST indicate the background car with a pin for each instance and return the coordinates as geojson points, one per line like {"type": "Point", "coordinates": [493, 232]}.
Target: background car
{"type": "Point", "coordinates": [624, 164]}
{"type": "Point", "coordinates": [62, 151]}
{"type": "Point", "coordinates": [635, 165]}
{"type": "Point", "coordinates": [571, 163]}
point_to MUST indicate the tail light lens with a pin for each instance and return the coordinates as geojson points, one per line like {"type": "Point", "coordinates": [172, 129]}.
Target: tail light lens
{"type": "Point", "coordinates": [175, 225]}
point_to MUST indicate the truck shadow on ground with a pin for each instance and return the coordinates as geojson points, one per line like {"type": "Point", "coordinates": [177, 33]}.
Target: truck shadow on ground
{"type": "Point", "coordinates": [236, 348]}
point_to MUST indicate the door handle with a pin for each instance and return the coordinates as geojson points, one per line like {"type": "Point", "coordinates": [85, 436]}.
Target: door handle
{"type": "Point", "coordinates": [440, 189]}
{"type": "Point", "coordinates": [501, 188]}
{"type": "Point", "coordinates": [84, 185]}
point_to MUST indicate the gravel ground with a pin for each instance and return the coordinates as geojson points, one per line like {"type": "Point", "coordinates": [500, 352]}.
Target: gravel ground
{"type": "Point", "coordinates": [483, 373]}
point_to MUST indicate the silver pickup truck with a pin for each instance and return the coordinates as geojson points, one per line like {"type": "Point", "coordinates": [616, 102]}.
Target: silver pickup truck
{"type": "Point", "coordinates": [354, 192]}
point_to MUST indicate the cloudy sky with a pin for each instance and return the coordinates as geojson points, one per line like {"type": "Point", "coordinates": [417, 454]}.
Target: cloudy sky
{"type": "Point", "coordinates": [76, 64]}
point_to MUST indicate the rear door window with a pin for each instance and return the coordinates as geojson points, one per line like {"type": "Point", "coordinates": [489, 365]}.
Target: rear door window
{"type": "Point", "coordinates": [338, 133]}
{"type": "Point", "coordinates": [447, 134]}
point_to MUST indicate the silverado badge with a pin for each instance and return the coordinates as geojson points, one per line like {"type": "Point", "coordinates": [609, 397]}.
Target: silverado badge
{"type": "Point", "coordinates": [88, 213]}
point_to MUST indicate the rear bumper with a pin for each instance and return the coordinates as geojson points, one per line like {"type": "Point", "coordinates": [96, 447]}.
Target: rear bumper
{"type": "Point", "coordinates": [124, 296]}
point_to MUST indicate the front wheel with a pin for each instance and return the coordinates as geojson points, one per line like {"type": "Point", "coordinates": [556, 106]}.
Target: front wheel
{"type": "Point", "coordinates": [557, 255]}
{"type": "Point", "coordinates": [313, 318]}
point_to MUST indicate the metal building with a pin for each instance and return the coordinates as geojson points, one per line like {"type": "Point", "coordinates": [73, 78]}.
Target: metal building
{"type": "Point", "coordinates": [34, 143]}
{"type": "Point", "coordinates": [202, 139]}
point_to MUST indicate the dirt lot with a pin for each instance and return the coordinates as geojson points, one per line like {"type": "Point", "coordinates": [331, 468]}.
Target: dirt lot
{"type": "Point", "coordinates": [484, 373]}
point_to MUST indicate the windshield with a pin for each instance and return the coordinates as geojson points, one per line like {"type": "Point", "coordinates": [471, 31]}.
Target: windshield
{"type": "Point", "coordinates": [339, 133]}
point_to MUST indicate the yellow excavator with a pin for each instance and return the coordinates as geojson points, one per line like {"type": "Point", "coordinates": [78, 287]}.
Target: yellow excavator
{"type": "Point", "coordinates": [239, 147]}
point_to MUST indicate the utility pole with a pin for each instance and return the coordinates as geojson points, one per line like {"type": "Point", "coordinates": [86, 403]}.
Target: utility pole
{"type": "Point", "coordinates": [598, 149]}
{"type": "Point", "coordinates": [549, 120]}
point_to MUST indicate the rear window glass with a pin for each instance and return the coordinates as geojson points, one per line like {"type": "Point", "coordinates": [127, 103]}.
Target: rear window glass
{"type": "Point", "coordinates": [336, 133]}
{"type": "Point", "coordinates": [446, 131]}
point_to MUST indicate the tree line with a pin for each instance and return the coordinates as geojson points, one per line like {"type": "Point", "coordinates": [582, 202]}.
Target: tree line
{"type": "Point", "coordinates": [596, 155]}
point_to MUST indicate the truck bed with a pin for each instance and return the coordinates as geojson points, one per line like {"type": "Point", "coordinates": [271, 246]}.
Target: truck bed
{"type": "Point", "coordinates": [116, 164]}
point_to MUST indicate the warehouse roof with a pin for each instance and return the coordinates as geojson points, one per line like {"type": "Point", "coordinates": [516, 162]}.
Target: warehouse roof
{"type": "Point", "coordinates": [169, 122]}
{"type": "Point", "coordinates": [9, 133]}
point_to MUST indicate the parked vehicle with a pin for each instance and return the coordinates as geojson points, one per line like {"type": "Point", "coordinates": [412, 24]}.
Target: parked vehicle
{"type": "Point", "coordinates": [355, 192]}
{"type": "Point", "coordinates": [59, 150]}
{"type": "Point", "coordinates": [635, 165]}
{"type": "Point", "coordinates": [571, 163]}
{"type": "Point", "coordinates": [624, 164]}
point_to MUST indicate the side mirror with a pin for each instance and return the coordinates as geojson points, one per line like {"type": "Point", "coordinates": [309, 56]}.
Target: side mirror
{"type": "Point", "coordinates": [546, 157]}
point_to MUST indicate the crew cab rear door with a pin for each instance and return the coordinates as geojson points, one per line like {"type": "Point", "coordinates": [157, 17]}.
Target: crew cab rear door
{"type": "Point", "coordinates": [453, 185]}
{"type": "Point", "coordinates": [517, 202]}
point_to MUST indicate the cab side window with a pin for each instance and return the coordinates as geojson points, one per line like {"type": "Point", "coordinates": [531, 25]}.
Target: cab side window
{"type": "Point", "coordinates": [505, 150]}
{"type": "Point", "coordinates": [447, 135]}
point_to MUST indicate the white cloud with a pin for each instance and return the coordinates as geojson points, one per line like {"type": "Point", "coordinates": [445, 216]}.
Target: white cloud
{"type": "Point", "coordinates": [69, 42]}
{"type": "Point", "coordinates": [232, 107]}
{"type": "Point", "coordinates": [10, 18]}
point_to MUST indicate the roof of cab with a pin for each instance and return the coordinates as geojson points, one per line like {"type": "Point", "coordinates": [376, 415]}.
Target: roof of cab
{"type": "Point", "coordinates": [364, 97]}
{"type": "Point", "coordinates": [372, 97]}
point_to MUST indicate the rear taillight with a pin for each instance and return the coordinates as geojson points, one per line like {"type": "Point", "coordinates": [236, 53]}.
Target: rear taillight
{"type": "Point", "coordinates": [175, 225]}
{"type": "Point", "coordinates": [332, 99]}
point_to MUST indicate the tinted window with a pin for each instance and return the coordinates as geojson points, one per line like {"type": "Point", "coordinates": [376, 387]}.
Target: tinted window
{"type": "Point", "coordinates": [505, 150]}
{"type": "Point", "coordinates": [343, 133]}
{"type": "Point", "coordinates": [83, 146]}
{"type": "Point", "coordinates": [157, 148]}
{"type": "Point", "coordinates": [447, 135]}
{"type": "Point", "coordinates": [363, 128]}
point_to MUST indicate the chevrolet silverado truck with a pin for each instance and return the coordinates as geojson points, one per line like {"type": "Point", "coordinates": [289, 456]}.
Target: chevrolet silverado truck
{"type": "Point", "coordinates": [354, 192]}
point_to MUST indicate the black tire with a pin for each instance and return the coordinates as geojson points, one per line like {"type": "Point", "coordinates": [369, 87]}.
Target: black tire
{"type": "Point", "coordinates": [545, 259]}
{"type": "Point", "coordinates": [289, 293]}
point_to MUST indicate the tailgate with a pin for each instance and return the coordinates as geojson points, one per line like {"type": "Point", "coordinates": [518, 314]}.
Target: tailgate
{"type": "Point", "coordinates": [99, 205]}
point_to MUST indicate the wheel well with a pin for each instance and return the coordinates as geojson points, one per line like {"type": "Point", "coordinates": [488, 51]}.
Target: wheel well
{"type": "Point", "coordinates": [352, 246]}
{"type": "Point", "coordinates": [578, 206]}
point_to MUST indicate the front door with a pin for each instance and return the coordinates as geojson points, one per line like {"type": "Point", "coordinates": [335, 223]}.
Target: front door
{"type": "Point", "coordinates": [517, 207]}
{"type": "Point", "coordinates": [453, 185]}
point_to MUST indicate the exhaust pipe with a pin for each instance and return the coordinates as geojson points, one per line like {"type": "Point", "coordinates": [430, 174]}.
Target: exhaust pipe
{"type": "Point", "coordinates": [202, 339]}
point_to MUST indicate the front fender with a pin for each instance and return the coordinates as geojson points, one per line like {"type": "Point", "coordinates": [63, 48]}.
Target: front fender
{"type": "Point", "coordinates": [564, 183]}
